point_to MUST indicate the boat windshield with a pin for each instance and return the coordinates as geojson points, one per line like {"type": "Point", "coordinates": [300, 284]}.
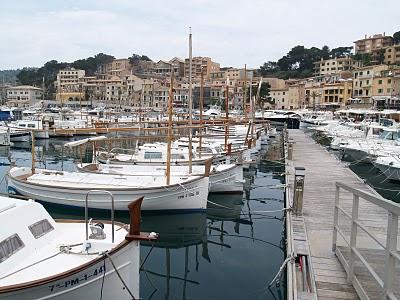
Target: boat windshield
{"type": "Point", "coordinates": [389, 135]}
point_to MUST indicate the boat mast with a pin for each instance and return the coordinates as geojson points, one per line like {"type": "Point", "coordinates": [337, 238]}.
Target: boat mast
{"type": "Point", "coordinates": [201, 108]}
{"type": "Point", "coordinates": [245, 92]}
{"type": "Point", "coordinates": [169, 138]}
{"type": "Point", "coordinates": [33, 152]}
{"type": "Point", "coordinates": [226, 113]}
{"type": "Point", "coordinates": [190, 101]}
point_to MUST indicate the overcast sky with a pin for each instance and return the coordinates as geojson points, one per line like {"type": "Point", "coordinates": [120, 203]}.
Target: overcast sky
{"type": "Point", "coordinates": [231, 32]}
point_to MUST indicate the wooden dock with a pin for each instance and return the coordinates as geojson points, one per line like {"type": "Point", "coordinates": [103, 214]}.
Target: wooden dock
{"type": "Point", "coordinates": [312, 233]}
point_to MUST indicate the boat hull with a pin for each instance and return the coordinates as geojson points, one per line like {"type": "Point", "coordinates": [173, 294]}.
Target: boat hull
{"type": "Point", "coordinates": [191, 195]}
{"type": "Point", "coordinates": [90, 281]}
{"type": "Point", "coordinates": [20, 136]}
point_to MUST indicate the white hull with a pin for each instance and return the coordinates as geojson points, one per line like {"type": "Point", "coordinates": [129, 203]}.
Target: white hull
{"type": "Point", "coordinates": [223, 178]}
{"type": "Point", "coordinates": [191, 195]}
{"type": "Point", "coordinates": [42, 134]}
{"type": "Point", "coordinates": [87, 283]}
{"type": "Point", "coordinates": [20, 137]}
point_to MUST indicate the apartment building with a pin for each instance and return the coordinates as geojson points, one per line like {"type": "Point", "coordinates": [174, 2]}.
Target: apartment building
{"type": "Point", "coordinates": [363, 81]}
{"type": "Point", "coordinates": [69, 85]}
{"type": "Point", "coordinates": [280, 98]}
{"type": "Point", "coordinates": [165, 68]}
{"type": "Point", "coordinates": [335, 66]}
{"type": "Point", "coordinates": [23, 95]}
{"type": "Point", "coordinates": [392, 55]}
{"type": "Point", "coordinates": [337, 94]}
{"type": "Point", "coordinates": [198, 64]}
{"type": "Point", "coordinates": [118, 67]}
{"type": "Point", "coordinates": [296, 92]}
{"type": "Point", "coordinates": [373, 43]}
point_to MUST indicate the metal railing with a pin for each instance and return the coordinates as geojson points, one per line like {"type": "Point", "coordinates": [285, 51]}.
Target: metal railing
{"type": "Point", "coordinates": [390, 248]}
{"type": "Point", "coordinates": [87, 213]}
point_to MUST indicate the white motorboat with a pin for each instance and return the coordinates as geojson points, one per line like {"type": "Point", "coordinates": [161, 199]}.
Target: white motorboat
{"type": "Point", "coordinates": [147, 154]}
{"type": "Point", "coordinates": [40, 132]}
{"type": "Point", "coordinates": [183, 192]}
{"type": "Point", "coordinates": [41, 258]}
{"type": "Point", "coordinates": [389, 166]}
{"type": "Point", "coordinates": [224, 178]}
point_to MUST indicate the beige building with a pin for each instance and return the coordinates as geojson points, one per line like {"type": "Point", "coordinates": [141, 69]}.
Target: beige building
{"type": "Point", "coordinates": [118, 67]}
{"type": "Point", "coordinates": [23, 95]}
{"type": "Point", "coordinates": [199, 63]}
{"type": "Point", "coordinates": [334, 66]}
{"type": "Point", "coordinates": [280, 97]}
{"type": "Point", "coordinates": [337, 94]}
{"type": "Point", "coordinates": [373, 43]}
{"type": "Point", "coordinates": [164, 68]}
{"type": "Point", "coordinates": [297, 96]}
{"type": "Point", "coordinates": [392, 55]}
{"type": "Point", "coordinates": [69, 85]}
{"type": "Point", "coordinates": [363, 80]}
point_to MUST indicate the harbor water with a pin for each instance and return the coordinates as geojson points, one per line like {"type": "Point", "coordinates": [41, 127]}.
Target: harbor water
{"type": "Point", "coordinates": [231, 251]}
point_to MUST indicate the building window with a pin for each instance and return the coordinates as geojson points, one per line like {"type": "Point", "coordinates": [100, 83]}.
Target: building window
{"type": "Point", "coordinates": [380, 91]}
{"type": "Point", "coordinates": [389, 81]}
{"type": "Point", "coordinates": [379, 81]}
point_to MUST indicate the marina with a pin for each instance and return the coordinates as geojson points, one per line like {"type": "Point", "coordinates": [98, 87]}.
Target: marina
{"type": "Point", "coordinates": [176, 151]}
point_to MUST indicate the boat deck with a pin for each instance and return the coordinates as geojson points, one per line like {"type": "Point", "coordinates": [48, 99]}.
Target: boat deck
{"type": "Point", "coordinates": [313, 231]}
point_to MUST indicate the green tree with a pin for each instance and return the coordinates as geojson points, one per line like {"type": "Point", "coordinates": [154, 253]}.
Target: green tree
{"type": "Point", "coordinates": [396, 37]}
{"type": "Point", "coordinates": [340, 52]}
{"type": "Point", "coordinates": [264, 95]}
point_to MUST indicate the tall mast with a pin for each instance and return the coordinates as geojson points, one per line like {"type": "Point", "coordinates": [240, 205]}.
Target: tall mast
{"type": "Point", "coordinates": [169, 139]}
{"type": "Point", "coordinates": [201, 108]}
{"type": "Point", "coordinates": [245, 92]}
{"type": "Point", "coordinates": [226, 113]}
{"type": "Point", "coordinates": [190, 101]}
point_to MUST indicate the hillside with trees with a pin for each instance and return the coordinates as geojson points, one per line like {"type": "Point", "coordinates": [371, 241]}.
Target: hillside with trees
{"type": "Point", "coordinates": [299, 61]}
{"type": "Point", "coordinates": [48, 72]}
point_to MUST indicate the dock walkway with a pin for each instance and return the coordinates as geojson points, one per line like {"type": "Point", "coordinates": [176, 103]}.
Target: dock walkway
{"type": "Point", "coordinates": [313, 231]}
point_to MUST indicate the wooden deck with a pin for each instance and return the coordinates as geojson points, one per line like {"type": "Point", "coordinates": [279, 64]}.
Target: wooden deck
{"type": "Point", "coordinates": [315, 228]}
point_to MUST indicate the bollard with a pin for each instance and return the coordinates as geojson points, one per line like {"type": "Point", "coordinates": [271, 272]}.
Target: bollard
{"type": "Point", "coordinates": [290, 149]}
{"type": "Point", "coordinates": [299, 173]}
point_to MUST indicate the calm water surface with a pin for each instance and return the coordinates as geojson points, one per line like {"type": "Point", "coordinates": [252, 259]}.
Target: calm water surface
{"type": "Point", "coordinates": [231, 251]}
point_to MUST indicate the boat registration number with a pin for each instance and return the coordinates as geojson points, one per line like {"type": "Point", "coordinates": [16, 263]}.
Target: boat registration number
{"type": "Point", "coordinates": [75, 281]}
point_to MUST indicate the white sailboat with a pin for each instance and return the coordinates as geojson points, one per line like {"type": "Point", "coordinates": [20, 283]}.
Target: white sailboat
{"type": "Point", "coordinates": [41, 258]}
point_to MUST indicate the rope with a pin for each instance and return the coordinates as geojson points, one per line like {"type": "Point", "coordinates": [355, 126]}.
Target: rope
{"type": "Point", "coordinates": [266, 211]}
{"type": "Point", "coordinates": [220, 205]}
{"type": "Point", "coordinates": [119, 275]}
{"type": "Point", "coordinates": [28, 266]}
{"type": "Point", "coordinates": [279, 274]}
{"type": "Point", "coordinates": [145, 259]}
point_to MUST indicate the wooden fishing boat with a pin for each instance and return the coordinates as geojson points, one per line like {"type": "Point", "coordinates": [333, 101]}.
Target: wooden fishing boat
{"type": "Point", "coordinates": [70, 188]}
{"type": "Point", "coordinates": [224, 178]}
{"type": "Point", "coordinates": [43, 258]}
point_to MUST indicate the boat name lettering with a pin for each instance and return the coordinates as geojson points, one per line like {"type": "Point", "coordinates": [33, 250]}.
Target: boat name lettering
{"type": "Point", "coordinates": [78, 280]}
{"type": "Point", "coordinates": [189, 195]}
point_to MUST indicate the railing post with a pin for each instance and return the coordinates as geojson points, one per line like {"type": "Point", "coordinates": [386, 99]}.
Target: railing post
{"type": "Point", "coordinates": [390, 261]}
{"type": "Point", "coordinates": [335, 218]}
{"type": "Point", "coordinates": [353, 236]}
